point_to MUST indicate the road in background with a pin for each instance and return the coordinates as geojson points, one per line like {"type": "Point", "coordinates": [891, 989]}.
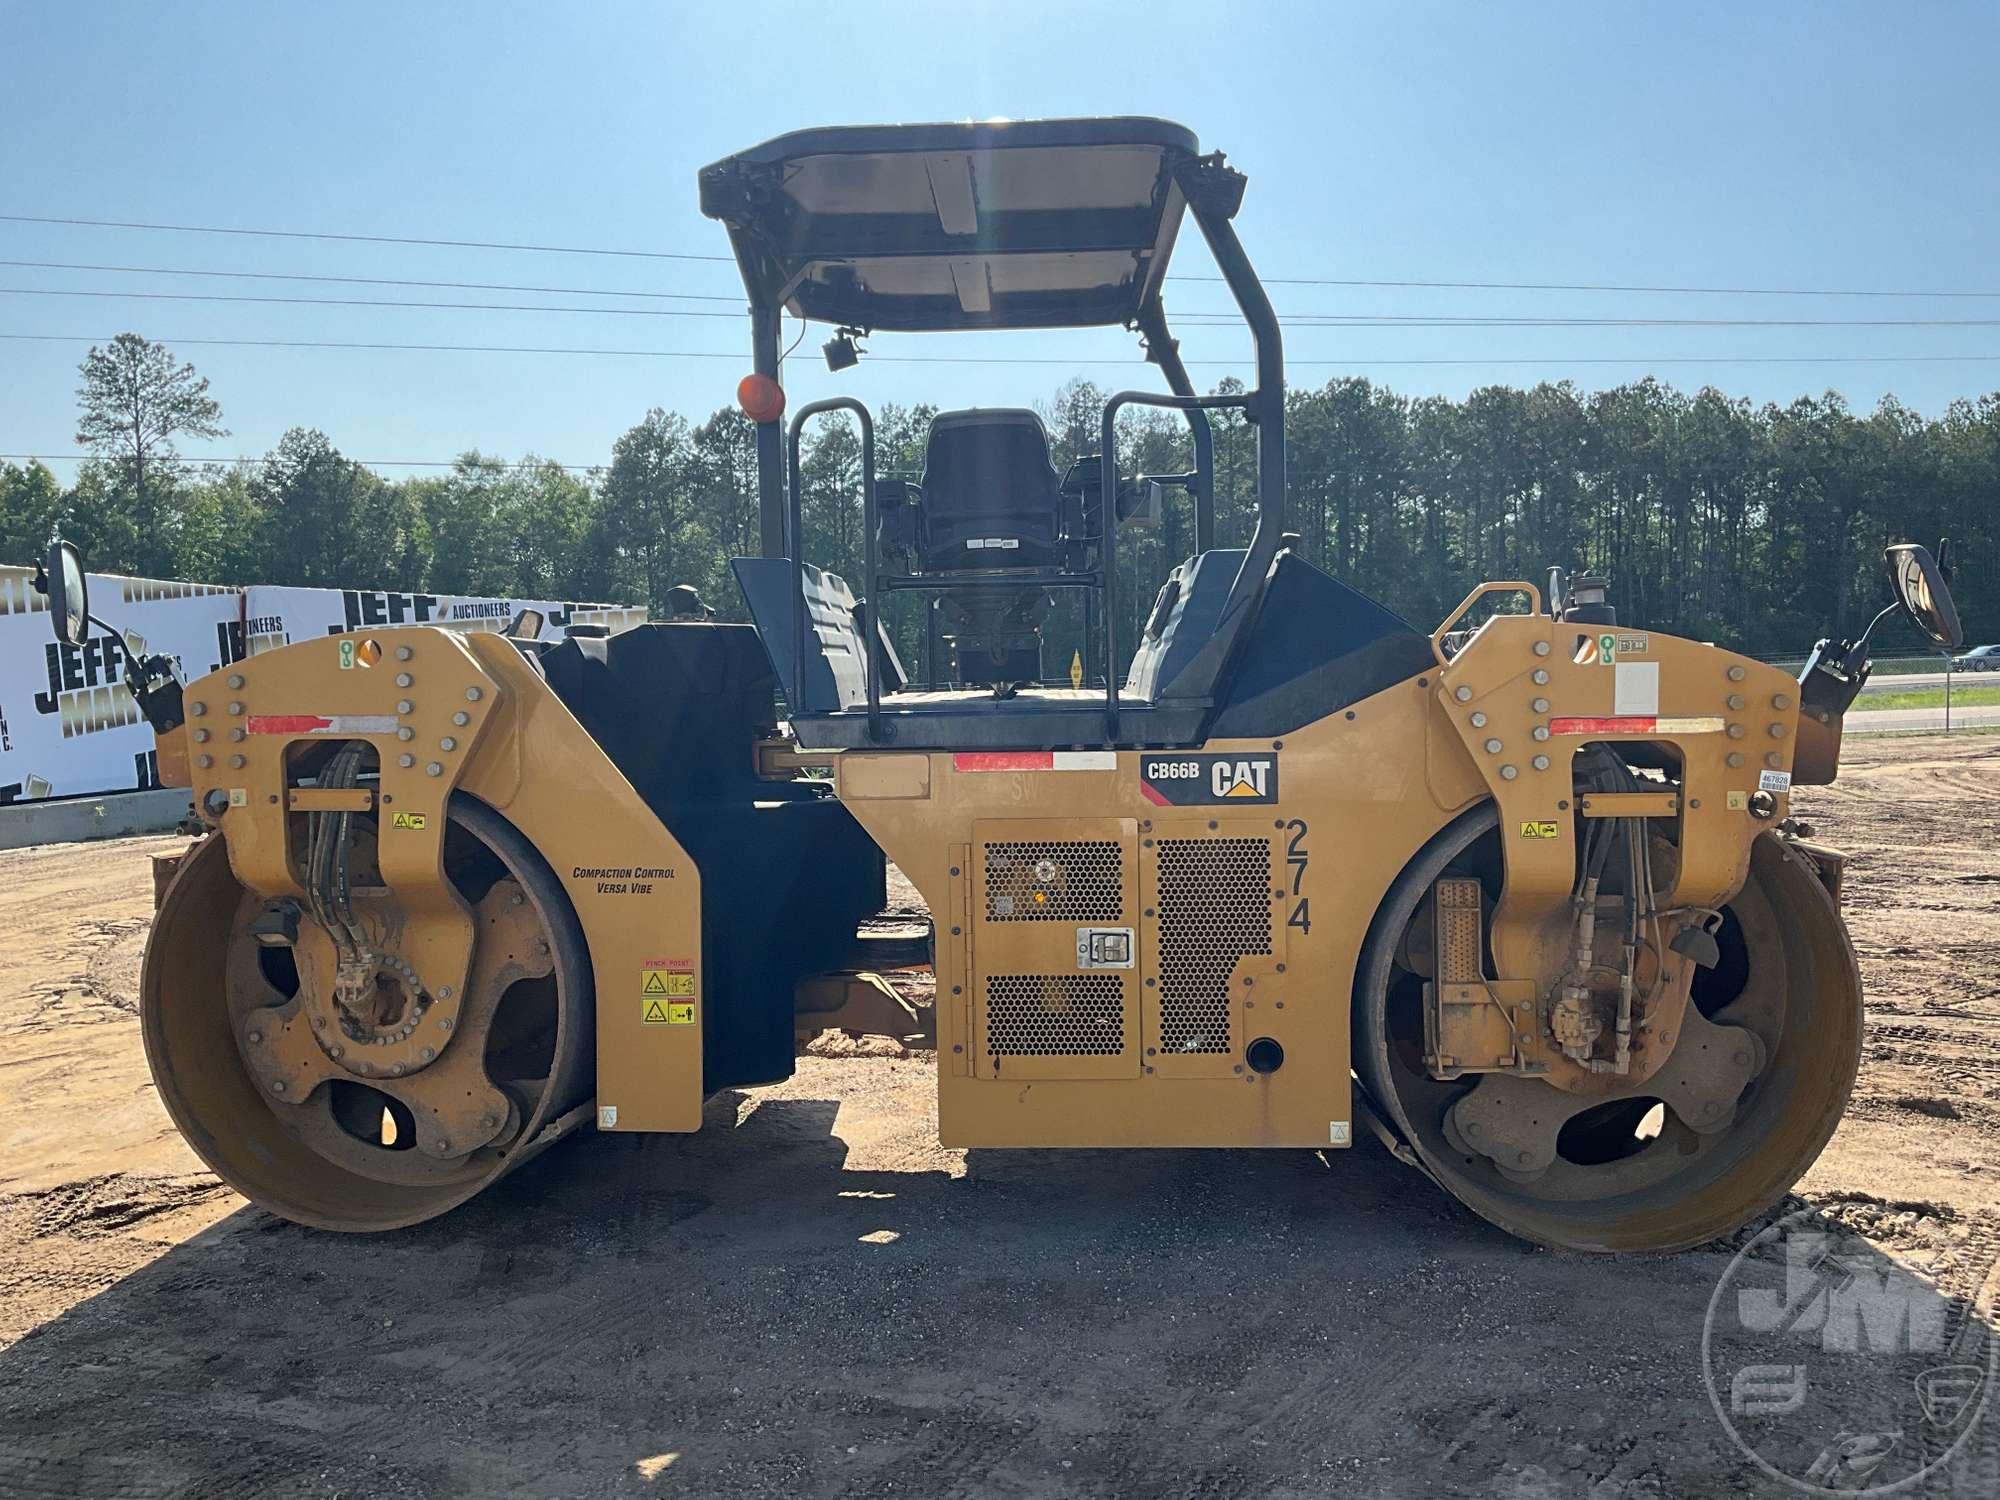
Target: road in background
{"type": "Point", "coordinates": [1911, 682]}
{"type": "Point", "coordinates": [1915, 720]}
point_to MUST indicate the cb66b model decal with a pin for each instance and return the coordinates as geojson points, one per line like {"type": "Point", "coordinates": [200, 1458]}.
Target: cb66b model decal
{"type": "Point", "coordinates": [1207, 780]}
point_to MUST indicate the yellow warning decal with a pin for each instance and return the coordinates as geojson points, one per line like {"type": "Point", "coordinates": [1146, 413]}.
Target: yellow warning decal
{"type": "Point", "coordinates": [1532, 830]}
{"type": "Point", "coordinates": [666, 1013]}
{"type": "Point", "coordinates": [672, 977]}
{"type": "Point", "coordinates": [412, 821]}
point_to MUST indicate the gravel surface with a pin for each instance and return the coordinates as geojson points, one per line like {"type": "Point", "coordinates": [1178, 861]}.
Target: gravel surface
{"type": "Point", "coordinates": [811, 1297]}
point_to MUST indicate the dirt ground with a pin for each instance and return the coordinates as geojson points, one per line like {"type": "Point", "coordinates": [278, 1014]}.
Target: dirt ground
{"type": "Point", "coordinates": [811, 1297]}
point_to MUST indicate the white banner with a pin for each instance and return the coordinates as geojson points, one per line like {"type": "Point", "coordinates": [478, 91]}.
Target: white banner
{"type": "Point", "coordinates": [275, 616]}
{"type": "Point", "coordinates": [68, 727]}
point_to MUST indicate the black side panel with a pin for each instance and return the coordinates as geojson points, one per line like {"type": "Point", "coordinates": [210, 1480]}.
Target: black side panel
{"type": "Point", "coordinates": [833, 669]}
{"type": "Point", "coordinates": [786, 871]}
{"type": "Point", "coordinates": [1317, 646]}
{"type": "Point", "coordinates": [834, 675]}
{"type": "Point", "coordinates": [783, 887]}
{"type": "Point", "coordinates": [676, 707]}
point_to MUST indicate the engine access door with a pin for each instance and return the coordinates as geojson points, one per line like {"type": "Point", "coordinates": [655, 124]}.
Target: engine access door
{"type": "Point", "coordinates": [1055, 949]}
{"type": "Point", "coordinates": [1215, 901]}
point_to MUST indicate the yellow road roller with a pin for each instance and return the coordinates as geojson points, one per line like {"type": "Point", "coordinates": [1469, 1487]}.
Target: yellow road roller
{"type": "Point", "coordinates": [1520, 894]}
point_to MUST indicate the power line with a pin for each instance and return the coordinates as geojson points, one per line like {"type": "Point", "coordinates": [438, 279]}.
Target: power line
{"type": "Point", "coordinates": [1419, 320]}
{"type": "Point", "coordinates": [364, 239]}
{"type": "Point", "coordinates": [971, 359]}
{"type": "Point", "coordinates": [1193, 317]}
{"type": "Point", "coordinates": [1596, 286]}
{"type": "Point", "coordinates": [1387, 321]}
{"type": "Point", "coordinates": [1198, 317]}
{"type": "Point", "coordinates": [464, 286]}
{"type": "Point", "coordinates": [636, 312]}
{"type": "Point", "coordinates": [64, 338]}
{"type": "Point", "coordinates": [479, 461]}
{"type": "Point", "coordinates": [1354, 281]}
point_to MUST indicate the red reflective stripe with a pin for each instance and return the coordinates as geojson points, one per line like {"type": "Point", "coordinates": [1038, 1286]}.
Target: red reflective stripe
{"type": "Point", "coordinates": [1634, 724]}
{"type": "Point", "coordinates": [1146, 791]}
{"type": "Point", "coordinates": [322, 724]}
{"type": "Point", "coordinates": [1004, 760]}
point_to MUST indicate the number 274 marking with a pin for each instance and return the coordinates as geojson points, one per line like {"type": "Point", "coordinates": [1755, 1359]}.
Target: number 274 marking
{"type": "Point", "coordinates": [1297, 856]}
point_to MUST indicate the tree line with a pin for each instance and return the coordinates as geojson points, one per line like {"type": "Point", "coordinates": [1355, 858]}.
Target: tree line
{"type": "Point", "coordinates": [1758, 527]}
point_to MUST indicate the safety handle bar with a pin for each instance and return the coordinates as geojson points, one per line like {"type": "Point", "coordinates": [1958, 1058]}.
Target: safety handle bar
{"type": "Point", "coordinates": [796, 536]}
{"type": "Point", "coordinates": [1108, 490]}
{"type": "Point", "coordinates": [1514, 586]}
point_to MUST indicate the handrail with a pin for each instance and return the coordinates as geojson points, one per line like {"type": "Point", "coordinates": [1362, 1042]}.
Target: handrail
{"type": "Point", "coordinates": [874, 582]}
{"type": "Point", "coordinates": [1105, 577]}
{"type": "Point", "coordinates": [1165, 351]}
{"type": "Point", "coordinates": [1496, 586]}
{"type": "Point", "coordinates": [795, 543]}
{"type": "Point", "coordinates": [1213, 193]}
{"type": "Point", "coordinates": [1108, 493]}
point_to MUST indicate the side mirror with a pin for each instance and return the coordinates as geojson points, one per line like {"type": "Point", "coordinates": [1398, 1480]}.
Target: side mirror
{"type": "Point", "coordinates": [69, 593]}
{"type": "Point", "coordinates": [1925, 596]}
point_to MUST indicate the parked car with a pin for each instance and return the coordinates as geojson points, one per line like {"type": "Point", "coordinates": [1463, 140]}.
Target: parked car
{"type": "Point", "coordinates": [1978, 659]}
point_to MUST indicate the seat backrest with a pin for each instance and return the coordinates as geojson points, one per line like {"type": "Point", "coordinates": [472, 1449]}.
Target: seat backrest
{"type": "Point", "coordinates": [987, 479]}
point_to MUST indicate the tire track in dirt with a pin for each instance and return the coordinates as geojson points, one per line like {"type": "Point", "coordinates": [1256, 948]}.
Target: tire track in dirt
{"type": "Point", "coordinates": [108, 1204]}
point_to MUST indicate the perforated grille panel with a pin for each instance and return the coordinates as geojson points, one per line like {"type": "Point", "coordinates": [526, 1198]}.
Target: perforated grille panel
{"type": "Point", "coordinates": [1055, 1015]}
{"type": "Point", "coordinates": [1215, 906]}
{"type": "Point", "coordinates": [1049, 881]}
{"type": "Point", "coordinates": [1458, 958]}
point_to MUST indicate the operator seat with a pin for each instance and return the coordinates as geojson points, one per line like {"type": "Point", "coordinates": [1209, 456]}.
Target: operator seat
{"type": "Point", "coordinates": [991, 497]}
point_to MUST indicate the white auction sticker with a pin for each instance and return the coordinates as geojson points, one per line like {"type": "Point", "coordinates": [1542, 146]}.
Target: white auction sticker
{"type": "Point", "coordinates": [1636, 688]}
{"type": "Point", "coordinates": [1774, 781]}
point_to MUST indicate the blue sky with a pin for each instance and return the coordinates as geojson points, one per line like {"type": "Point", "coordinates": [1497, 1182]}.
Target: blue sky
{"type": "Point", "coordinates": [1781, 145]}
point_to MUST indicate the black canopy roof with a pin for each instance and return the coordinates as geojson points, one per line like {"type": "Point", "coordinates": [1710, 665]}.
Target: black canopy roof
{"type": "Point", "coordinates": [1022, 224]}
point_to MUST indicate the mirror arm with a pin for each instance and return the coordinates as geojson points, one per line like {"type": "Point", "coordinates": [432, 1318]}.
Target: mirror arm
{"type": "Point", "coordinates": [1857, 654]}
{"type": "Point", "coordinates": [150, 680]}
